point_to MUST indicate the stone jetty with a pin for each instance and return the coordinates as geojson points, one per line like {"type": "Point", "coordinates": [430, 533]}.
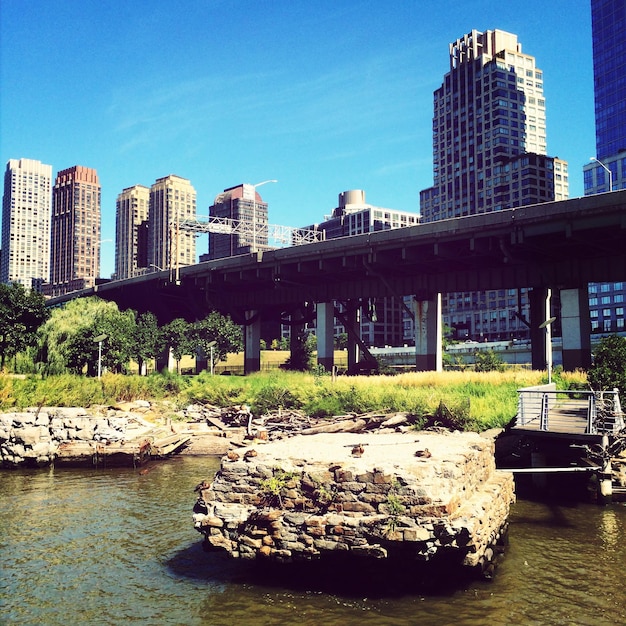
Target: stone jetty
{"type": "Point", "coordinates": [42, 436]}
{"type": "Point", "coordinates": [417, 495]}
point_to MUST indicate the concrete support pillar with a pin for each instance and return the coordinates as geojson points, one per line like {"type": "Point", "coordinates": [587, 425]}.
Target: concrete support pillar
{"type": "Point", "coordinates": [540, 479]}
{"type": "Point", "coordinates": [576, 329]}
{"type": "Point", "coordinates": [165, 361]}
{"type": "Point", "coordinates": [202, 363]}
{"type": "Point", "coordinates": [428, 335]}
{"type": "Point", "coordinates": [352, 318]}
{"type": "Point", "coordinates": [539, 299]}
{"type": "Point", "coordinates": [298, 354]}
{"type": "Point", "coordinates": [252, 343]}
{"type": "Point", "coordinates": [605, 478]}
{"type": "Point", "coordinates": [325, 330]}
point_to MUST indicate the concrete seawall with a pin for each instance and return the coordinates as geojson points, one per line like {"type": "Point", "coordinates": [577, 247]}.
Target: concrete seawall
{"type": "Point", "coordinates": [417, 495]}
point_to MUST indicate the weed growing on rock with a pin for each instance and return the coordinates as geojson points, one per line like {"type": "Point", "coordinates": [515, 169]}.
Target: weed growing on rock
{"type": "Point", "coordinates": [273, 488]}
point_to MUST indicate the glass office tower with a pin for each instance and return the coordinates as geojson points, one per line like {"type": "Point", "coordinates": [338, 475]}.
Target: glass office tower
{"type": "Point", "coordinates": [607, 172]}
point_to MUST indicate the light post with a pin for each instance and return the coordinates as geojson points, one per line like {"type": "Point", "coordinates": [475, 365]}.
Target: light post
{"type": "Point", "coordinates": [254, 210]}
{"type": "Point", "coordinates": [547, 325]}
{"type": "Point", "coordinates": [607, 169]}
{"type": "Point", "coordinates": [212, 345]}
{"type": "Point", "coordinates": [99, 339]}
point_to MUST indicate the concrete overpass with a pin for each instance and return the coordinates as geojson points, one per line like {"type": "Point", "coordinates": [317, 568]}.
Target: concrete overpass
{"type": "Point", "coordinates": [553, 246]}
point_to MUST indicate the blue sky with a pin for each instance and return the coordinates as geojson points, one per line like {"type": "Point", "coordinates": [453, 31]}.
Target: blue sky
{"type": "Point", "coordinates": [322, 96]}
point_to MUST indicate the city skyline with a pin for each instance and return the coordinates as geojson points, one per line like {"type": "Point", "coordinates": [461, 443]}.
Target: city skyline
{"type": "Point", "coordinates": [322, 98]}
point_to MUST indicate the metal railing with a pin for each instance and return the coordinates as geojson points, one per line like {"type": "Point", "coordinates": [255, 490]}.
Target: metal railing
{"type": "Point", "coordinates": [544, 408]}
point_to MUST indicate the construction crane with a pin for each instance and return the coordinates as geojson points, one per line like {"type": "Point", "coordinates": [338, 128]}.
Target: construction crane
{"type": "Point", "coordinates": [276, 236]}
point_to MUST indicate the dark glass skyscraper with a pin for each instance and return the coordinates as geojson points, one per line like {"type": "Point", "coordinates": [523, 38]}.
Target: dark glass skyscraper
{"type": "Point", "coordinates": [607, 172]}
{"type": "Point", "coordinates": [608, 19]}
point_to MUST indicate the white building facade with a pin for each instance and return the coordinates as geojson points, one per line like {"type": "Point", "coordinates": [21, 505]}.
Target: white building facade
{"type": "Point", "coordinates": [26, 207]}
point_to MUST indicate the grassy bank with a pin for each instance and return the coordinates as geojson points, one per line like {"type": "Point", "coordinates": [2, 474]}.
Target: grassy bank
{"type": "Point", "coordinates": [471, 400]}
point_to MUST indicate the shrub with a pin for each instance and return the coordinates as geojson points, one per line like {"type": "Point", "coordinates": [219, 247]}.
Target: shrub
{"type": "Point", "coordinates": [273, 397]}
{"type": "Point", "coordinates": [489, 361]}
{"type": "Point", "coordinates": [609, 365]}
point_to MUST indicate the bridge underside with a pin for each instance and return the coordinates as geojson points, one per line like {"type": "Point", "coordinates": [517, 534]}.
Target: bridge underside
{"type": "Point", "coordinates": [558, 246]}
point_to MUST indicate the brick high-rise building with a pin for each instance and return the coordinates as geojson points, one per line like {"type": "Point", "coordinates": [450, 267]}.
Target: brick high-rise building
{"type": "Point", "coordinates": [489, 153]}
{"type": "Point", "coordinates": [26, 206]}
{"type": "Point", "coordinates": [131, 232]}
{"type": "Point", "coordinates": [244, 206]}
{"type": "Point", "coordinates": [75, 227]}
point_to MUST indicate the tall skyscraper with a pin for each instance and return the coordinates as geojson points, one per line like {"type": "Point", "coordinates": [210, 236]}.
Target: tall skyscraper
{"type": "Point", "coordinates": [608, 23]}
{"type": "Point", "coordinates": [131, 232]}
{"type": "Point", "coordinates": [75, 226]}
{"type": "Point", "coordinates": [26, 223]}
{"type": "Point", "coordinates": [607, 172]}
{"type": "Point", "coordinates": [244, 205]}
{"type": "Point", "coordinates": [172, 200]}
{"type": "Point", "coordinates": [489, 153]}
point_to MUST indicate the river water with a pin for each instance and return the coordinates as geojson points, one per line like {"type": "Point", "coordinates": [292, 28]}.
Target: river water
{"type": "Point", "coordinates": [117, 546]}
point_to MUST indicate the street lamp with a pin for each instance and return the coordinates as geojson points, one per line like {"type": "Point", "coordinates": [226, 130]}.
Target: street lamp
{"type": "Point", "coordinates": [212, 345]}
{"type": "Point", "coordinates": [254, 210]}
{"type": "Point", "coordinates": [99, 339]}
{"type": "Point", "coordinates": [547, 325]}
{"type": "Point", "coordinates": [607, 169]}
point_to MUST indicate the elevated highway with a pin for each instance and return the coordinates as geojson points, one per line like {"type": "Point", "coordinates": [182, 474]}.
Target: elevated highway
{"type": "Point", "coordinates": [557, 245]}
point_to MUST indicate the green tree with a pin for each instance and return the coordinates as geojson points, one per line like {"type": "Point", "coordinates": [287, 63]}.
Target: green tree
{"type": "Point", "coordinates": [58, 333]}
{"type": "Point", "coordinates": [178, 336]}
{"type": "Point", "coordinates": [227, 335]}
{"type": "Point", "coordinates": [609, 365]}
{"type": "Point", "coordinates": [302, 346]}
{"type": "Point", "coordinates": [148, 339]}
{"type": "Point", "coordinates": [67, 339]}
{"type": "Point", "coordinates": [82, 350]}
{"type": "Point", "coordinates": [21, 314]}
{"type": "Point", "coordinates": [341, 341]}
{"type": "Point", "coordinates": [117, 349]}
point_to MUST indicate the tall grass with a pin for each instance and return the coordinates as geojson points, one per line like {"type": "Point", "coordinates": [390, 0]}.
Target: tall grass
{"type": "Point", "coordinates": [476, 400]}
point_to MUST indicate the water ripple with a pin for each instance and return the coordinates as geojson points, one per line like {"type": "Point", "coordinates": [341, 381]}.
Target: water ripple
{"type": "Point", "coordinates": [117, 546]}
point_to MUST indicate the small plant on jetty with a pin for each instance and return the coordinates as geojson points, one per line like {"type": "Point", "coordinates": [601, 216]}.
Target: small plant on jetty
{"type": "Point", "coordinates": [395, 508]}
{"type": "Point", "coordinates": [394, 505]}
{"type": "Point", "coordinates": [324, 494]}
{"type": "Point", "coordinates": [273, 488]}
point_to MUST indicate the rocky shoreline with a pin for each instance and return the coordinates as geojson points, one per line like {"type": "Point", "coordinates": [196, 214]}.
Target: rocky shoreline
{"type": "Point", "coordinates": [128, 434]}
